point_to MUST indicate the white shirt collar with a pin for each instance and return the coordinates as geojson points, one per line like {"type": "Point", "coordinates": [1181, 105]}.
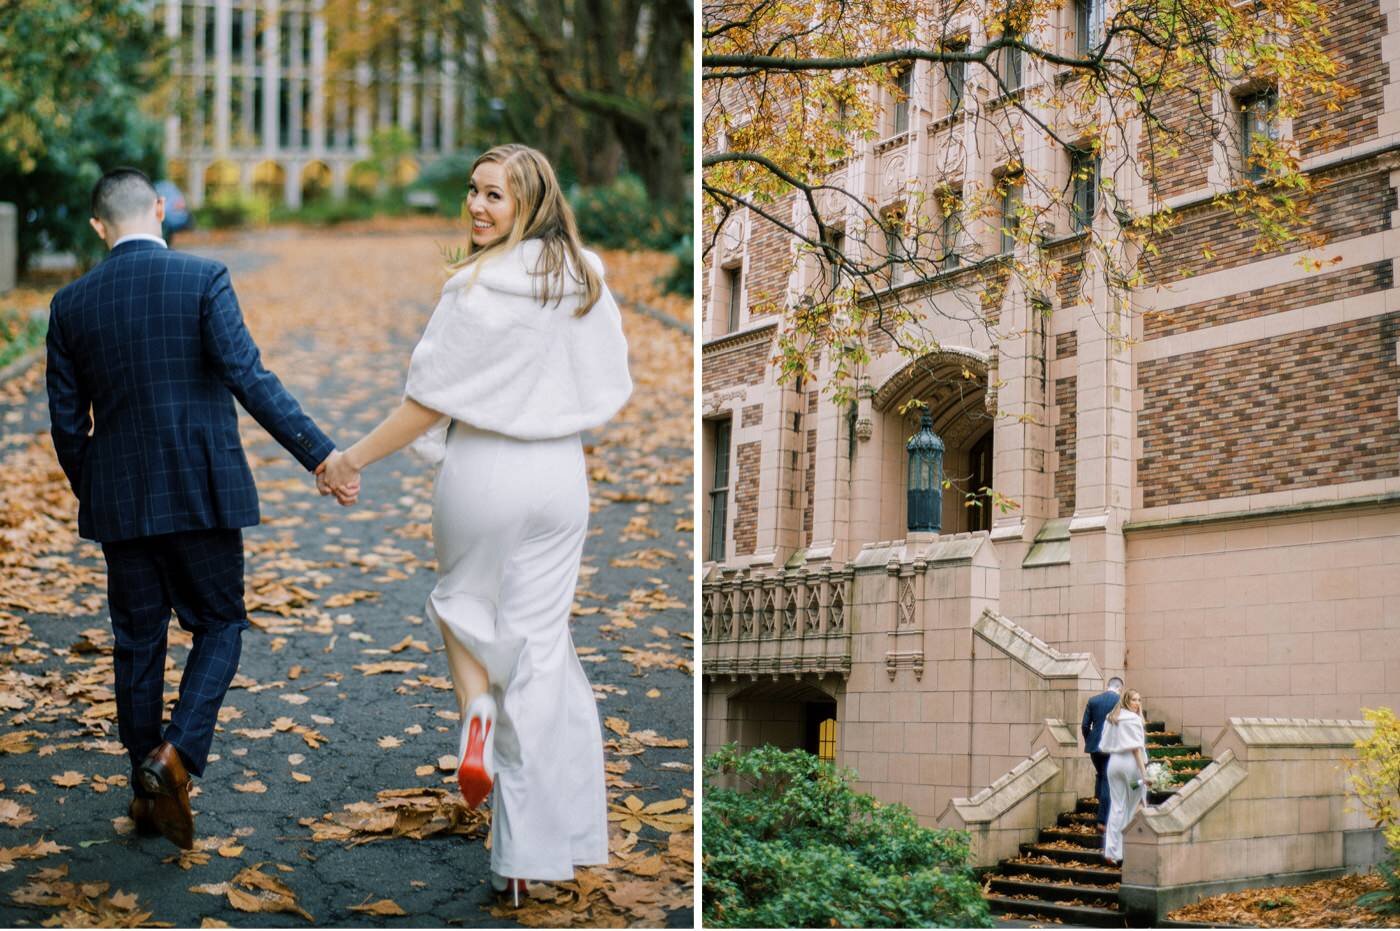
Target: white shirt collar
{"type": "Point", "coordinates": [135, 236]}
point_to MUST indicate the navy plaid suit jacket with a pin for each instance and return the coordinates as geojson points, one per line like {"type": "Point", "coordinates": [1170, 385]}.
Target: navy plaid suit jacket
{"type": "Point", "coordinates": [153, 341]}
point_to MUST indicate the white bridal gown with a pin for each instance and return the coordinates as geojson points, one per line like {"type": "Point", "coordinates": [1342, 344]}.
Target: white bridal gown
{"type": "Point", "coordinates": [519, 380]}
{"type": "Point", "coordinates": [1119, 740]}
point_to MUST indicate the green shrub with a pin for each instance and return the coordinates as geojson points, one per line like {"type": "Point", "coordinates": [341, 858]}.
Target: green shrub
{"type": "Point", "coordinates": [447, 178]}
{"type": "Point", "coordinates": [682, 280]}
{"type": "Point", "coordinates": [330, 212]}
{"type": "Point", "coordinates": [621, 216]}
{"type": "Point", "coordinates": [230, 211]}
{"type": "Point", "coordinates": [796, 847]}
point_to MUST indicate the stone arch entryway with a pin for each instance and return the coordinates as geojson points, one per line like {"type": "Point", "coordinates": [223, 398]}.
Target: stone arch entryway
{"type": "Point", "coordinates": [788, 713]}
{"type": "Point", "coordinates": [953, 385]}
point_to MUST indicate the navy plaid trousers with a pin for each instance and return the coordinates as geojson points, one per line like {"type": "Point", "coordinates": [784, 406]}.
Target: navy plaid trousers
{"type": "Point", "coordinates": [199, 574]}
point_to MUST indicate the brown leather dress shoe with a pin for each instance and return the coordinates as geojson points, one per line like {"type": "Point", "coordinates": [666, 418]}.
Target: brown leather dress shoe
{"type": "Point", "coordinates": [163, 774]}
{"type": "Point", "coordinates": [142, 811]}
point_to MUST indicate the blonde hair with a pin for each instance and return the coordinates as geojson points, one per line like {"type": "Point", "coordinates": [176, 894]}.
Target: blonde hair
{"type": "Point", "coordinates": [1128, 695]}
{"type": "Point", "coordinates": [542, 213]}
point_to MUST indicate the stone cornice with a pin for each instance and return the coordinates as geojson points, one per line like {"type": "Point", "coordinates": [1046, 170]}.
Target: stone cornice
{"type": "Point", "coordinates": [731, 341]}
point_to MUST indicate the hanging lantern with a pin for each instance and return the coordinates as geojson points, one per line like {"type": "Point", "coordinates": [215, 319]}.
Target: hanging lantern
{"type": "Point", "coordinates": [925, 479]}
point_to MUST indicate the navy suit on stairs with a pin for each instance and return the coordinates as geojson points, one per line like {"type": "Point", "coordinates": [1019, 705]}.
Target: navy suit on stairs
{"type": "Point", "coordinates": [1096, 711]}
{"type": "Point", "coordinates": [148, 351]}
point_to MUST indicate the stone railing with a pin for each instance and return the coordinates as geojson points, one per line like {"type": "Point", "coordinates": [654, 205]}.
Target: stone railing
{"type": "Point", "coordinates": [791, 621]}
{"type": "Point", "coordinates": [1272, 809]}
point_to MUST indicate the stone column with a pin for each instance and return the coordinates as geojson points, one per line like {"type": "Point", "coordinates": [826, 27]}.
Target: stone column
{"type": "Point", "coordinates": [272, 77]}
{"type": "Point", "coordinates": [173, 148]}
{"type": "Point", "coordinates": [223, 75]}
{"type": "Point", "coordinates": [199, 75]}
{"type": "Point", "coordinates": [448, 82]}
{"type": "Point", "coordinates": [291, 184]}
{"type": "Point", "coordinates": [318, 80]}
{"type": "Point", "coordinates": [249, 134]}
{"type": "Point", "coordinates": [296, 74]}
{"type": "Point", "coordinates": [407, 80]}
{"type": "Point", "coordinates": [427, 137]}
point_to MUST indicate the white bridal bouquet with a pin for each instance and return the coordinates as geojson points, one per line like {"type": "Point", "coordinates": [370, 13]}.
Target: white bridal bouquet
{"type": "Point", "coordinates": [1159, 777]}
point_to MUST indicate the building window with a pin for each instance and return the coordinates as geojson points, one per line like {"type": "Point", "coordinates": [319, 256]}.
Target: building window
{"type": "Point", "coordinates": [835, 249]}
{"type": "Point", "coordinates": [719, 490]}
{"type": "Point", "coordinates": [826, 740]}
{"type": "Point", "coordinates": [895, 252]}
{"type": "Point", "coordinates": [1084, 169]}
{"type": "Point", "coordinates": [1012, 63]}
{"type": "Point", "coordinates": [980, 459]}
{"type": "Point", "coordinates": [904, 84]}
{"type": "Point", "coordinates": [1257, 124]}
{"type": "Point", "coordinates": [956, 74]}
{"type": "Point", "coordinates": [950, 230]}
{"type": "Point", "coordinates": [734, 294]}
{"type": "Point", "coordinates": [1010, 211]}
{"type": "Point", "coordinates": [1088, 25]}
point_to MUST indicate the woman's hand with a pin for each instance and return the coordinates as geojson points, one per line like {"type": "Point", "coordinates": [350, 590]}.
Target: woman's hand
{"type": "Point", "coordinates": [338, 477]}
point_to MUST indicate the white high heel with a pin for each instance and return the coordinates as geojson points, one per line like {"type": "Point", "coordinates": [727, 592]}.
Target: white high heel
{"type": "Point", "coordinates": [514, 886]}
{"type": "Point", "coordinates": [476, 767]}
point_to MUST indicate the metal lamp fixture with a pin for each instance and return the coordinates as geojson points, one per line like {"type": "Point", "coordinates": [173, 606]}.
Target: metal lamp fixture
{"type": "Point", "coordinates": [925, 479]}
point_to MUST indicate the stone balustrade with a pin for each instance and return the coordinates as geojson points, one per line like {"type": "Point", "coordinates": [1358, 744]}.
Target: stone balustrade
{"type": "Point", "coordinates": [786, 622]}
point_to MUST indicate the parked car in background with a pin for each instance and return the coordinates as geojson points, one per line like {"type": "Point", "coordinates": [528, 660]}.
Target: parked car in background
{"type": "Point", "coordinates": [177, 212]}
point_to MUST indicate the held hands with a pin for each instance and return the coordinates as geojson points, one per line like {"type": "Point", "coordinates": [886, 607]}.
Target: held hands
{"type": "Point", "coordinates": [335, 476]}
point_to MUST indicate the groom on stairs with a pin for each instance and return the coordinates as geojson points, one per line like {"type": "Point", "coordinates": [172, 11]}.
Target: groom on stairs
{"type": "Point", "coordinates": [1096, 711]}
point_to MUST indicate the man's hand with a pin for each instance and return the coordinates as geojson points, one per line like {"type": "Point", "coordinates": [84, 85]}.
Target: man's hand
{"type": "Point", "coordinates": [335, 476]}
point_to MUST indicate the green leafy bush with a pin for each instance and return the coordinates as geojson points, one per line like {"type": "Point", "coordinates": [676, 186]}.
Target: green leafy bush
{"type": "Point", "coordinates": [20, 333]}
{"type": "Point", "coordinates": [682, 280]}
{"type": "Point", "coordinates": [622, 216]}
{"type": "Point", "coordinates": [796, 847]}
{"type": "Point", "coordinates": [229, 211]}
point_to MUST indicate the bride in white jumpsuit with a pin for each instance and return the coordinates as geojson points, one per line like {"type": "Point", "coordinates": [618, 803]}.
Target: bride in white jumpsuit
{"type": "Point", "coordinates": [1125, 739]}
{"type": "Point", "coordinates": [524, 351]}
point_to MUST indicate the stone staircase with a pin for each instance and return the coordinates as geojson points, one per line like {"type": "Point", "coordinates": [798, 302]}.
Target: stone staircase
{"type": "Point", "coordinates": [1062, 876]}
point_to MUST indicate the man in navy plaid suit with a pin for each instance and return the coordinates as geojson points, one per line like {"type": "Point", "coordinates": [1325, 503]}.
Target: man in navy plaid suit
{"type": "Point", "coordinates": [146, 355]}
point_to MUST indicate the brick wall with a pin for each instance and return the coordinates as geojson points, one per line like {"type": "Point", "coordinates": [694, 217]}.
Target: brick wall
{"type": "Point", "coordinates": [1318, 289]}
{"type": "Point", "coordinates": [1067, 281]}
{"type": "Point", "coordinates": [752, 415]}
{"type": "Point", "coordinates": [770, 261]}
{"type": "Point", "coordinates": [728, 367]}
{"type": "Point", "coordinates": [1065, 430]}
{"type": "Point", "coordinates": [1347, 207]}
{"type": "Point", "coordinates": [1066, 345]}
{"type": "Point", "coordinates": [1174, 166]}
{"type": "Point", "coordinates": [1356, 28]}
{"type": "Point", "coordinates": [746, 500]}
{"type": "Point", "coordinates": [1307, 409]}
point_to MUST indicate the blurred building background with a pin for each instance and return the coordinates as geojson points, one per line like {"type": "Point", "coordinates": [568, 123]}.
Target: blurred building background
{"type": "Point", "coordinates": [266, 102]}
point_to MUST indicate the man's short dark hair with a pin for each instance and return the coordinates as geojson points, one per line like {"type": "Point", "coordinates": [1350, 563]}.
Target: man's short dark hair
{"type": "Point", "coordinates": [122, 194]}
{"type": "Point", "coordinates": [1115, 683]}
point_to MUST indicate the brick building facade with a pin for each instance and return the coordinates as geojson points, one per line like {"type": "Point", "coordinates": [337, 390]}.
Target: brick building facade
{"type": "Point", "coordinates": [1208, 482]}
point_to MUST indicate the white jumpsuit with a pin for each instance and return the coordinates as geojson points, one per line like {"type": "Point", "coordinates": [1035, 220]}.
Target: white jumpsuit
{"type": "Point", "coordinates": [509, 521]}
{"type": "Point", "coordinates": [518, 380]}
{"type": "Point", "coordinates": [1119, 740]}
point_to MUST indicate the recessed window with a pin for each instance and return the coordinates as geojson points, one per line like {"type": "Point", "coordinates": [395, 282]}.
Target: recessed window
{"type": "Point", "coordinates": [956, 74]}
{"type": "Point", "coordinates": [1258, 124]}
{"type": "Point", "coordinates": [1012, 65]}
{"type": "Point", "coordinates": [904, 84]}
{"type": "Point", "coordinates": [1011, 188]}
{"type": "Point", "coordinates": [719, 433]}
{"type": "Point", "coordinates": [1084, 167]}
{"type": "Point", "coordinates": [950, 230]}
{"type": "Point", "coordinates": [836, 248]}
{"type": "Point", "coordinates": [1088, 25]}
{"type": "Point", "coordinates": [895, 252]}
{"type": "Point", "coordinates": [734, 284]}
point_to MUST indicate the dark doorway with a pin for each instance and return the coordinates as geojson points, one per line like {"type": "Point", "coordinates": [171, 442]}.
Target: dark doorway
{"type": "Point", "coordinates": [819, 729]}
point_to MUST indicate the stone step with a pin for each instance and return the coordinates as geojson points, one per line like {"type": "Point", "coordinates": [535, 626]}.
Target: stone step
{"type": "Point", "coordinates": [1171, 752]}
{"type": "Point", "coordinates": [1080, 876]}
{"type": "Point", "coordinates": [1095, 896]}
{"type": "Point", "coordinates": [1090, 839]}
{"type": "Point", "coordinates": [1066, 854]}
{"type": "Point", "coordinates": [1058, 912]}
{"type": "Point", "coordinates": [1163, 738]}
{"type": "Point", "coordinates": [1076, 818]}
{"type": "Point", "coordinates": [1086, 805]}
{"type": "Point", "coordinates": [1157, 727]}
